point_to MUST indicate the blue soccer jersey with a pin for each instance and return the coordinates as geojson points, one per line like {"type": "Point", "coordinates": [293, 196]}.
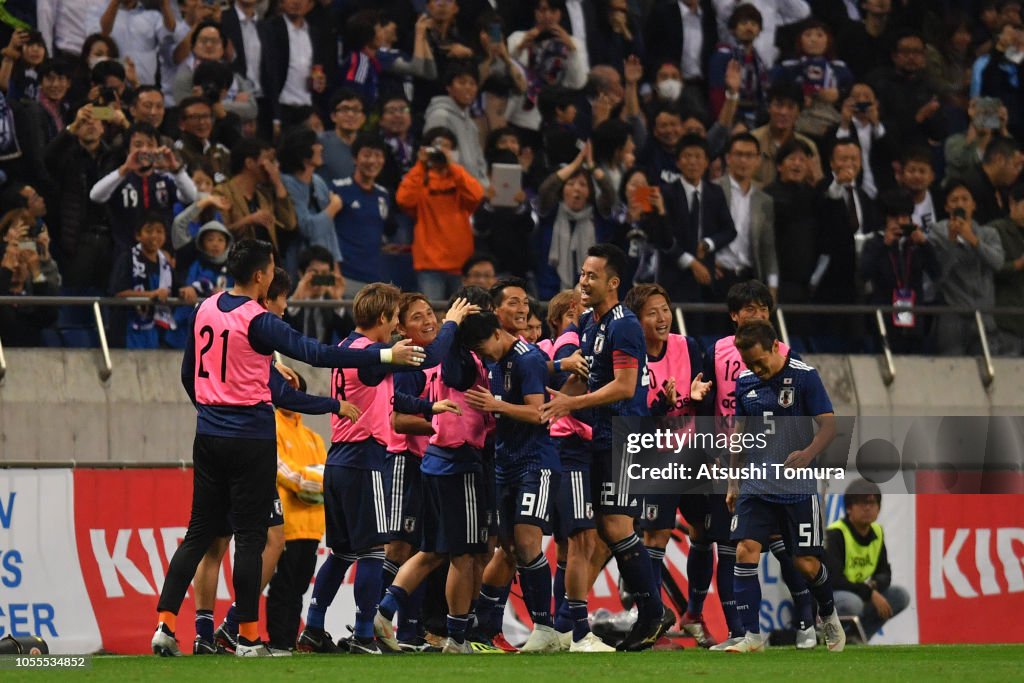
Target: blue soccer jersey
{"type": "Point", "coordinates": [360, 226]}
{"type": "Point", "coordinates": [615, 341]}
{"type": "Point", "coordinates": [796, 395]}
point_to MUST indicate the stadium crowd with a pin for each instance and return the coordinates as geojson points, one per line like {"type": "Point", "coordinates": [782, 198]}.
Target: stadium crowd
{"type": "Point", "coordinates": [841, 151]}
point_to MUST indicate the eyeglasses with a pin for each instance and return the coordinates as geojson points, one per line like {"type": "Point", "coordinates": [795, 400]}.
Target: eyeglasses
{"type": "Point", "coordinates": [396, 110]}
{"type": "Point", "coordinates": [208, 40]}
{"type": "Point", "coordinates": [198, 117]}
{"type": "Point", "coordinates": [348, 110]}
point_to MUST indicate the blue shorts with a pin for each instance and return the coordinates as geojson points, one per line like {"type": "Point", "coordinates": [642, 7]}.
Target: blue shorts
{"type": "Point", "coordinates": [355, 508]}
{"type": "Point", "coordinates": [529, 500]}
{"type": "Point", "coordinates": [403, 486]}
{"type": "Point", "coordinates": [706, 513]}
{"type": "Point", "coordinates": [757, 519]}
{"type": "Point", "coordinates": [610, 486]}
{"type": "Point", "coordinates": [574, 505]}
{"type": "Point", "coordinates": [454, 521]}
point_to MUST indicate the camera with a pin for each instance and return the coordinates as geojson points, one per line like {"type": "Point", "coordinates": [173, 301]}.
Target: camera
{"type": "Point", "coordinates": [323, 280]}
{"type": "Point", "coordinates": [861, 107]}
{"type": "Point", "coordinates": [436, 157]}
{"type": "Point", "coordinates": [211, 91]}
{"type": "Point", "coordinates": [145, 160]}
{"type": "Point", "coordinates": [907, 229]}
{"type": "Point", "coordinates": [107, 95]}
{"type": "Point", "coordinates": [959, 213]}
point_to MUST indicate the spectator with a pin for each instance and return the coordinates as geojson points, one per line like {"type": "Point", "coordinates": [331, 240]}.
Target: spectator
{"type": "Point", "coordinates": [784, 103]}
{"type": "Point", "coordinates": [319, 279]}
{"type": "Point", "coordinates": [745, 25]}
{"type": "Point", "coordinates": [860, 114]}
{"type": "Point", "coordinates": [612, 144]}
{"type": "Point", "coordinates": [752, 253]}
{"type": "Point", "coordinates": [659, 154]}
{"type": "Point", "coordinates": [446, 42]}
{"type": "Point", "coordinates": [670, 91]}
{"type": "Point", "coordinates": [395, 126]}
{"type": "Point", "coordinates": [683, 34]}
{"type": "Point", "coordinates": [858, 561]}
{"type": "Point", "coordinates": [37, 122]}
{"type": "Point", "coordinates": [969, 255]}
{"type": "Point", "coordinates": [560, 136]}
{"type": "Point", "coordinates": [201, 141]}
{"type": "Point", "coordinates": [618, 35]}
{"type": "Point", "coordinates": [139, 30]}
{"type": "Point", "coordinates": [195, 16]}
{"type": "Point", "coordinates": [917, 176]}
{"type": "Point", "coordinates": [150, 179]}
{"type": "Point", "coordinates": [348, 117]}
{"type": "Point", "coordinates": [300, 153]}
{"type": "Point", "coordinates": [19, 70]}
{"type": "Point", "coordinates": [776, 14]}
{"type": "Point", "coordinates": [642, 225]}
{"type": "Point", "coordinates": [1010, 277]}
{"type": "Point", "coordinates": [987, 119]}
{"type": "Point", "coordinates": [300, 455]}
{"type": "Point", "coordinates": [18, 195]}
{"type": "Point", "coordinates": [997, 74]}
{"type": "Point", "coordinates": [451, 111]}
{"type": "Point", "coordinates": [991, 180]}
{"type": "Point", "coordinates": [503, 230]}
{"type": "Point", "coordinates": [260, 207]}
{"type": "Point", "coordinates": [298, 61]}
{"type": "Point", "coordinates": [145, 271]}
{"type": "Point", "coordinates": [442, 196]}
{"type": "Point", "coordinates": [243, 32]}
{"type": "Point", "coordinates": [909, 102]}
{"type": "Point", "coordinates": [702, 226]}
{"type": "Point", "coordinates": [863, 44]}
{"type": "Point", "coordinates": [206, 273]}
{"type": "Point", "coordinates": [65, 25]}
{"type": "Point", "coordinates": [479, 270]}
{"type": "Point", "coordinates": [365, 214]}
{"type": "Point", "coordinates": [894, 265]}
{"type": "Point", "coordinates": [948, 59]}
{"type": "Point", "coordinates": [148, 107]}
{"type": "Point", "coordinates": [569, 208]}
{"type": "Point", "coordinates": [209, 44]}
{"type": "Point", "coordinates": [190, 219]}
{"type": "Point", "coordinates": [369, 36]}
{"type": "Point", "coordinates": [26, 269]}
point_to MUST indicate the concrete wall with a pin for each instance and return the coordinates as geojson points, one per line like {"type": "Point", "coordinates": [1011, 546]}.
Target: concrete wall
{"type": "Point", "coordinates": [53, 406]}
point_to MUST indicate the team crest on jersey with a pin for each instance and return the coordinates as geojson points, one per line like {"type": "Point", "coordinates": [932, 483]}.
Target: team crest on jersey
{"type": "Point", "coordinates": [786, 396]}
{"type": "Point", "coordinates": [382, 208]}
{"type": "Point", "coordinates": [355, 204]}
{"type": "Point", "coordinates": [409, 524]}
{"type": "Point", "coordinates": [734, 523]}
{"type": "Point", "coordinates": [589, 511]}
{"type": "Point", "coordinates": [277, 507]}
{"type": "Point", "coordinates": [651, 512]}
{"type": "Point", "coordinates": [787, 380]}
{"type": "Point", "coordinates": [507, 382]}
{"type": "Point", "coordinates": [599, 344]}
{"type": "Point", "coordinates": [162, 195]}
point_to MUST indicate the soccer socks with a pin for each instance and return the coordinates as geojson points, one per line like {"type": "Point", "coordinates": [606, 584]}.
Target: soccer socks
{"type": "Point", "coordinates": [821, 589]}
{"type": "Point", "coordinates": [395, 599]}
{"type": "Point", "coordinates": [328, 581]}
{"type": "Point", "coordinates": [204, 624]}
{"type": "Point", "coordinates": [409, 615]}
{"type": "Point", "coordinates": [231, 620]}
{"type": "Point", "coordinates": [535, 579]}
{"type": "Point", "coordinates": [802, 606]}
{"type": "Point", "coordinates": [563, 618]}
{"type": "Point", "coordinates": [700, 565]}
{"type": "Point", "coordinates": [457, 625]}
{"type": "Point", "coordinates": [558, 587]}
{"type": "Point", "coordinates": [747, 589]}
{"type": "Point", "coordinates": [489, 609]}
{"type": "Point", "coordinates": [635, 569]}
{"type": "Point", "coordinates": [657, 562]}
{"type": "Point", "coordinates": [724, 579]}
{"type": "Point", "coordinates": [168, 620]}
{"type": "Point", "coordinates": [367, 590]}
{"type": "Point", "coordinates": [580, 619]}
{"type": "Point", "coordinates": [387, 575]}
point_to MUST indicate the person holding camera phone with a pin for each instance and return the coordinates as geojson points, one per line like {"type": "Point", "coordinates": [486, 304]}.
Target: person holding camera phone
{"type": "Point", "coordinates": [860, 116]}
{"type": "Point", "coordinates": [26, 268]}
{"type": "Point", "coordinates": [987, 119]}
{"type": "Point", "coordinates": [319, 278]}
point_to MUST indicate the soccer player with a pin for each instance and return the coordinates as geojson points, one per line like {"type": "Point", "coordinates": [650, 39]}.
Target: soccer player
{"type": "Point", "coordinates": [354, 501]}
{"type": "Point", "coordinates": [225, 371]}
{"type": "Point", "coordinates": [613, 342]}
{"type": "Point", "coordinates": [746, 301]}
{"type": "Point", "coordinates": [672, 360]}
{"type": "Point", "coordinates": [526, 462]}
{"type": "Point", "coordinates": [775, 386]}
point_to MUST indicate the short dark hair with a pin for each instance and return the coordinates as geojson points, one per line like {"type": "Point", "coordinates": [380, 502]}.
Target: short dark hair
{"type": "Point", "coordinates": [60, 67]}
{"type": "Point", "coordinates": [213, 73]}
{"type": "Point", "coordinates": [152, 218]}
{"type": "Point", "coordinates": [1017, 192]}
{"type": "Point", "coordinates": [475, 329]}
{"type": "Point", "coordinates": [368, 140]}
{"type": "Point", "coordinates": [501, 156]}
{"type": "Point", "coordinates": [791, 147]}
{"type": "Point", "coordinates": [896, 202]}
{"type": "Point", "coordinates": [11, 197]}
{"type": "Point", "coordinates": [956, 184]}
{"type": "Point", "coordinates": [361, 28]}
{"type": "Point", "coordinates": [497, 292]}
{"type": "Point", "coordinates": [743, 137]}
{"type": "Point", "coordinates": [477, 259]}
{"type": "Point", "coordinates": [921, 155]}
{"type": "Point", "coordinates": [246, 148]}
{"type": "Point", "coordinates": [692, 140]}
{"type": "Point", "coordinates": [142, 128]}
{"type": "Point", "coordinates": [903, 34]}
{"type": "Point", "coordinates": [314, 253]}
{"type": "Point", "coordinates": [742, 294]}
{"type": "Point", "coordinates": [295, 147]}
{"type": "Point", "coordinates": [191, 101]}
{"type": "Point", "coordinates": [478, 296]}
{"type": "Point", "coordinates": [1000, 146]}
{"type": "Point", "coordinates": [552, 4]}
{"type": "Point", "coordinates": [440, 132]}
{"type": "Point", "coordinates": [459, 69]}
{"type": "Point", "coordinates": [247, 257]}
{"type": "Point", "coordinates": [552, 98]}
{"type": "Point", "coordinates": [608, 138]}
{"type": "Point", "coordinates": [105, 69]}
{"type": "Point", "coordinates": [142, 89]}
{"type": "Point", "coordinates": [785, 90]}
{"type": "Point", "coordinates": [859, 491]}
{"type": "Point", "coordinates": [851, 141]}
{"type": "Point", "coordinates": [639, 295]}
{"type": "Point", "coordinates": [614, 258]}
{"type": "Point", "coordinates": [205, 24]}
{"type": "Point", "coordinates": [344, 95]}
{"type": "Point", "coordinates": [745, 12]}
{"type": "Point", "coordinates": [756, 332]}
{"type": "Point", "coordinates": [282, 284]}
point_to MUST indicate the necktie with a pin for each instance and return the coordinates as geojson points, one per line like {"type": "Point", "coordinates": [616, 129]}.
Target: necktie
{"type": "Point", "coordinates": [695, 214]}
{"type": "Point", "coordinates": [851, 209]}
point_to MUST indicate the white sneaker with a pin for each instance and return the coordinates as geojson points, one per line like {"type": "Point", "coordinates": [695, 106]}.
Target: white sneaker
{"type": "Point", "coordinates": [385, 632]}
{"type": "Point", "coordinates": [164, 645]}
{"type": "Point", "coordinates": [726, 644]}
{"type": "Point", "coordinates": [752, 642]}
{"type": "Point", "coordinates": [274, 652]}
{"type": "Point", "coordinates": [835, 636]}
{"type": "Point", "coordinates": [806, 639]}
{"type": "Point", "coordinates": [589, 643]}
{"type": "Point", "coordinates": [543, 639]}
{"type": "Point", "coordinates": [564, 641]}
{"type": "Point", "coordinates": [256, 650]}
{"type": "Point", "coordinates": [453, 648]}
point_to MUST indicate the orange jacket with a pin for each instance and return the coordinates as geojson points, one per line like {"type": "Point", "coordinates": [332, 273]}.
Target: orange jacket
{"type": "Point", "coordinates": [297, 447]}
{"type": "Point", "coordinates": [442, 207]}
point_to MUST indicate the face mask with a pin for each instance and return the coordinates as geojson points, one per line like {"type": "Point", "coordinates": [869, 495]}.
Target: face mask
{"type": "Point", "coordinates": [669, 89]}
{"type": "Point", "coordinates": [93, 61]}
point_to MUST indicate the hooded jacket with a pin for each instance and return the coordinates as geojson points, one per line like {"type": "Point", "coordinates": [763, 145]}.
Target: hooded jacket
{"type": "Point", "coordinates": [443, 112]}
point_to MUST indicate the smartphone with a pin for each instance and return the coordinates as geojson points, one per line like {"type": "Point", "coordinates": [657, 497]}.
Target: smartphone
{"type": "Point", "coordinates": [494, 32]}
{"type": "Point", "coordinates": [102, 113]}
{"type": "Point", "coordinates": [27, 245]}
{"type": "Point", "coordinates": [145, 159]}
{"type": "Point", "coordinates": [908, 229]}
{"type": "Point", "coordinates": [508, 182]}
{"type": "Point", "coordinates": [861, 107]}
{"type": "Point", "coordinates": [323, 280]}
{"type": "Point", "coordinates": [959, 213]}
{"type": "Point", "coordinates": [642, 196]}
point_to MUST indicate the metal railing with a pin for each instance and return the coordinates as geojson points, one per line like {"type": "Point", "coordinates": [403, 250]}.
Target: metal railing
{"type": "Point", "coordinates": [887, 370]}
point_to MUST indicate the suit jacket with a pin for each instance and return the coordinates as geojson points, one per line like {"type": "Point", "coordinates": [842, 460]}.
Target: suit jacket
{"type": "Point", "coordinates": [233, 30]}
{"type": "Point", "coordinates": [593, 27]}
{"type": "Point", "coordinates": [839, 242]}
{"type": "Point", "coordinates": [762, 229]}
{"type": "Point", "coordinates": [663, 35]}
{"type": "Point", "coordinates": [275, 56]}
{"type": "Point", "coordinates": [717, 226]}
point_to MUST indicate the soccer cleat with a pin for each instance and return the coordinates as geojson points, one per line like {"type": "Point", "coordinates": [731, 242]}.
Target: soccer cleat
{"type": "Point", "coordinates": [645, 634]}
{"type": "Point", "coordinates": [255, 648]}
{"type": "Point", "coordinates": [806, 638]}
{"type": "Point", "coordinates": [696, 629]}
{"type": "Point", "coordinates": [453, 648]}
{"type": "Point", "coordinates": [316, 640]}
{"type": "Point", "coordinates": [565, 641]}
{"type": "Point", "coordinates": [279, 652]}
{"type": "Point", "coordinates": [202, 646]}
{"type": "Point", "coordinates": [835, 636]}
{"type": "Point", "coordinates": [360, 646]}
{"type": "Point", "coordinates": [164, 644]}
{"type": "Point", "coordinates": [385, 632]}
{"type": "Point", "coordinates": [224, 639]}
{"type": "Point", "coordinates": [589, 643]}
{"type": "Point", "coordinates": [501, 642]}
{"type": "Point", "coordinates": [752, 642]}
{"type": "Point", "coordinates": [726, 644]}
{"type": "Point", "coordinates": [543, 639]}
{"type": "Point", "coordinates": [416, 644]}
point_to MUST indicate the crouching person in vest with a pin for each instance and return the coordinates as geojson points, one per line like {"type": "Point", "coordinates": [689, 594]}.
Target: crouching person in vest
{"type": "Point", "coordinates": [858, 562]}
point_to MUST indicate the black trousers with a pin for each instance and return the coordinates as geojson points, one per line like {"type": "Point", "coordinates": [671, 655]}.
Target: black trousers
{"type": "Point", "coordinates": [289, 584]}
{"type": "Point", "coordinates": [234, 478]}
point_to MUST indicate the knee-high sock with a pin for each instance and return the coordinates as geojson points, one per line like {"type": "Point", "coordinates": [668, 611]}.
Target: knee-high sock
{"type": "Point", "coordinates": [204, 624]}
{"type": "Point", "coordinates": [797, 585]}
{"type": "Point", "coordinates": [580, 618]}
{"type": "Point", "coordinates": [367, 590]}
{"type": "Point", "coordinates": [409, 616]}
{"type": "Point", "coordinates": [821, 588]}
{"type": "Point", "coordinates": [328, 581]}
{"type": "Point", "coordinates": [657, 556]}
{"type": "Point", "coordinates": [747, 589]}
{"type": "Point", "coordinates": [635, 568]}
{"type": "Point", "coordinates": [535, 579]}
{"type": "Point", "coordinates": [558, 587]}
{"type": "Point", "coordinates": [724, 581]}
{"type": "Point", "coordinates": [395, 599]}
{"type": "Point", "coordinates": [700, 566]}
{"type": "Point", "coordinates": [387, 575]}
{"type": "Point", "coordinates": [488, 612]}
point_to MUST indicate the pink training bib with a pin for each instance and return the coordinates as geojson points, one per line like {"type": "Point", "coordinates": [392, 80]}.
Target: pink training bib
{"type": "Point", "coordinates": [728, 366]}
{"type": "Point", "coordinates": [569, 425]}
{"type": "Point", "coordinates": [228, 371]}
{"type": "Point", "coordinates": [472, 427]}
{"type": "Point", "coordinates": [373, 402]}
{"type": "Point", "coordinates": [412, 443]}
{"type": "Point", "coordinates": [674, 363]}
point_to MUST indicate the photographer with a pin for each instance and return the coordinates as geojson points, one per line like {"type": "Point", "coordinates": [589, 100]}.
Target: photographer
{"type": "Point", "coordinates": [893, 265]}
{"type": "Point", "coordinates": [319, 279]}
{"type": "Point", "coordinates": [139, 29]}
{"type": "Point", "coordinates": [203, 140]}
{"type": "Point", "coordinates": [26, 268]}
{"type": "Point", "coordinates": [209, 44]}
{"type": "Point", "coordinates": [963, 151]}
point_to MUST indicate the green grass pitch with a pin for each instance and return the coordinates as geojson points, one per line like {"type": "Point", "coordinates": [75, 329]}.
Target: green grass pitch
{"type": "Point", "coordinates": [958, 663]}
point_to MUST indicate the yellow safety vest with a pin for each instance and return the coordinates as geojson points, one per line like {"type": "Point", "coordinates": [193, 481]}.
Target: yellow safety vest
{"type": "Point", "coordinates": [861, 560]}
